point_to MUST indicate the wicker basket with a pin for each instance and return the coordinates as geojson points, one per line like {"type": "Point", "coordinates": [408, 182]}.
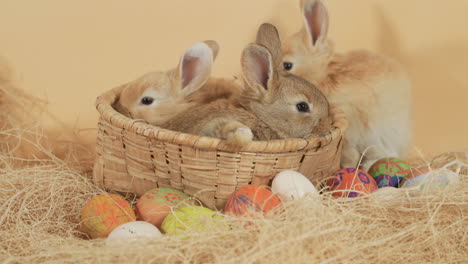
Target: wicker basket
{"type": "Point", "coordinates": [133, 156]}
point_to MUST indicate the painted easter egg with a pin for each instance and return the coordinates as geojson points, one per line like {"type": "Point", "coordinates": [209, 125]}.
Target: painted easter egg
{"type": "Point", "coordinates": [291, 185]}
{"type": "Point", "coordinates": [251, 198]}
{"type": "Point", "coordinates": [102, 214]}
{"type": "Point", "coordinates": [416, 176]}
{"type": "Point", "coordinates": [349, 182]}
{"type": "Point", "coordinates": [133, 231]}
{"type": "Point", "coordinates": [389, 171]}
{"type": "Point", "coordinates": [435, 180]}
{"type": "Point", "coordinates": [191, 219]}
{"type": "Point", "coordinates": [154, 205]}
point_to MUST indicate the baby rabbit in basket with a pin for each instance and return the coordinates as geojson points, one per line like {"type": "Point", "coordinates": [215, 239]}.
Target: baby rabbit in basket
{"type": "Point", "coordinates": [158, 96]}
{"type": "Point", "coordinates": [273, 104]}
{"type": "Point", "coordinates": [371, 89]}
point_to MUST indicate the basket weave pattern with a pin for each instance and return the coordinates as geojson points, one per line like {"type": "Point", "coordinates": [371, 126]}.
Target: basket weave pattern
{"type": "Point", "coordinates": [133, 156]}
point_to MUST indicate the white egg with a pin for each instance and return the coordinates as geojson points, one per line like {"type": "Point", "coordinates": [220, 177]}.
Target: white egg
{"type": "Point", "coordinates": [291, 185]}
{"type": "Point", "coordinates": [133, 231]}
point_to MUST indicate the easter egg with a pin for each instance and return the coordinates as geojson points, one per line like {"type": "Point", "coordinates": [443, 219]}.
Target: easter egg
{"type": "Point", "coordinates": [389, 171]}
{"type": "Point", "coordinates": [102, 214]}
{"type": "Point", "coordinates": [251, 198]}
{"type": "Point", "coordinates": [291, 185]}
{"type": "Point", "coordinates": [133, 231]}
{"type": "Point", "coordinates": [435, 180]}
{"type": "Point", "coordinates": [349, 182]}
{"type": "Point", "coordinates": [190, 219]}
{"type": "Point", "coordinates": [154, 205]}
{"type": "Point", "coordinates": [415, 177]}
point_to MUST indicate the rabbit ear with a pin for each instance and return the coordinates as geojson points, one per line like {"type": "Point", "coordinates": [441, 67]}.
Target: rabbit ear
{"type": "Point", "coordinates": [268, 36]}
{"type": "Point", "coordinates": [213, 45]}
{"type": "Point", "coordinates": [257, 68]}
{"type": "Point", "coordinates": [195, 67]}
{"type": "Point", "coordinates": [316, 21]}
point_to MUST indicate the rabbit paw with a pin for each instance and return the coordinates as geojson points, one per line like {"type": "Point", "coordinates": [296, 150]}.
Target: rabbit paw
{"type": "Point", "coordinates": [242, 136]}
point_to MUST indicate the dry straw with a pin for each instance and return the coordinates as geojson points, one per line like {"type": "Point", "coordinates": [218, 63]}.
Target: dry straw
{"type": "Point", "coordinates": [22, 135]}
{"type": "Point", "coordinates": [40, 204]}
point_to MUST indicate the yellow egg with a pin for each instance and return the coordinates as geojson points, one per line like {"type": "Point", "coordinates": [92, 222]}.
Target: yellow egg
{"type": "Point", "coordinates": [104, 213]}
{"type": "Point", "coordinates": [191, 219]}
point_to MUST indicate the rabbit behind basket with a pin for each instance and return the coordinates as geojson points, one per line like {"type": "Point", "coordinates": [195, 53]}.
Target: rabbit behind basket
{"type": "Point", "coordinates": [273, 103]}
{"type": "Point", "coordinates": [158, 96]}
{"type": "Point", "coordinates": [371, 89]}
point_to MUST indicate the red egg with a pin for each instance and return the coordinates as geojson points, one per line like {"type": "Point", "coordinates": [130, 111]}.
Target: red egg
{"type": "Point", "coordinates": [251, 198]}
{"type": "Point", "coordinates": [349, 182]}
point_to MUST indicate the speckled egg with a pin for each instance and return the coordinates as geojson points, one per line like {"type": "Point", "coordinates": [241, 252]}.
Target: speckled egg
{"type": "Point", "coordinates": [132, 231]}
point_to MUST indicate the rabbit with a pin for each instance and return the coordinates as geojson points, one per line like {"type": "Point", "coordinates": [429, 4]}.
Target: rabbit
{"type": "Point", "coordinates": [273, 104]}
{"type": "Point", "coordinates": [372, 90]}
{"type": "Point", "coordinates": [158, 96]}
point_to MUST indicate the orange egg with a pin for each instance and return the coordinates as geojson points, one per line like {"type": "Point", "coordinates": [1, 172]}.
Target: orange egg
{"type": "Point", "coordinates": [251, 198]}
{"type": "Point", "coordinates": [104, 213]}
{"type": "Point", "coordinates": [154, 205]}
{"type": "Point", "coordinates": [348, 182]}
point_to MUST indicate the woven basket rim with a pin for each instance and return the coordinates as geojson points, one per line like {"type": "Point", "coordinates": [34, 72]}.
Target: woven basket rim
{"type": "Point", "coordinates": [105, 101]}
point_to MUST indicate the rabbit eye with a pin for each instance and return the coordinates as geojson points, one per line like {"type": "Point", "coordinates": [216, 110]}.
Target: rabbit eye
{"type": "Point", "coordinates": [303, 107]}
{"type": "Point", "coordinates": [147, 100]}
{"type": "Point", "coordinates": [287, 66]}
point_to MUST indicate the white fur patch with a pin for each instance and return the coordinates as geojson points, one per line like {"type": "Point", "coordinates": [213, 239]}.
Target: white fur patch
{"type": "Point", "coordinates": [200, 50]}
{"type": "Point", "coordinates": [195, 65]}
{"type": "Point", "coordinates": [244, 132]}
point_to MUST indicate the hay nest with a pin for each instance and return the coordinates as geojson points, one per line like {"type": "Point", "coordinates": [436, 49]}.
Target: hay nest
{"type": "Point", "coordinates": [41, 206]}
{"type": "Point", "coordinates": [41, 200]}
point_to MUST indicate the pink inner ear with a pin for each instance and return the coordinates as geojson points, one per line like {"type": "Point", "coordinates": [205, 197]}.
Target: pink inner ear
{"type": "Point", "coordinates": [190, 66]}
{"type": "Point", "coordinates": [260, 70]}
{"type": "Point", "coordinates": [315, 20]}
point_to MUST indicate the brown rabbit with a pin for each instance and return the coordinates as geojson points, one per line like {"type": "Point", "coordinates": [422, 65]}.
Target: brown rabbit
{"type": "Point", "coordinates": [158, 96]}
{"type": "Point", "coordinates": [273, 104]}
{"type": "Point", "coordinates": [371, 89]}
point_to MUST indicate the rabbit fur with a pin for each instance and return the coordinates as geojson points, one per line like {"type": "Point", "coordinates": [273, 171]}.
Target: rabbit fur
{"type": "Point", "coordinates": [267, 106]}
{"type": "Point", "coordinates": [174, 91]}
{"type": "Point", "coordinates": [372, 90]}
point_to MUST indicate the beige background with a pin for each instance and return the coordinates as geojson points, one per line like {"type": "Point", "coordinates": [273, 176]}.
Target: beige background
{"type": "Point", "coordinates": [70, 51]}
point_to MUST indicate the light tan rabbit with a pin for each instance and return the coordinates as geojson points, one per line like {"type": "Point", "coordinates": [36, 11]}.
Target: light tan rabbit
{"type": "Point", "coordinates": [371, 89]}
{"type": "Point", "coordinates": [273, 104]}
{"type": "Point", "coordinates": [158, 96]}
